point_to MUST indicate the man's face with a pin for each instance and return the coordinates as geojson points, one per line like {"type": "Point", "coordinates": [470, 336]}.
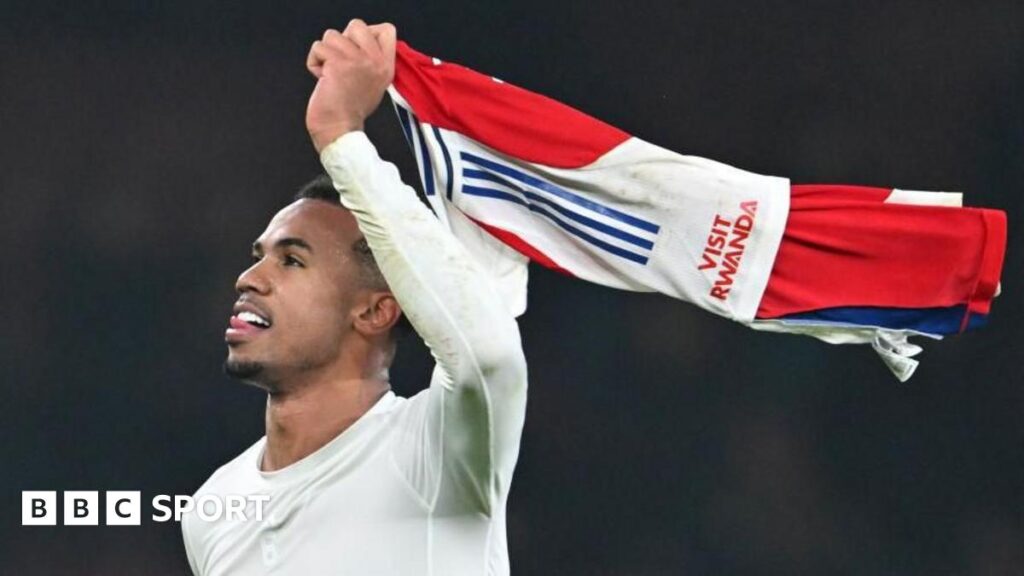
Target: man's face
{"type": "Point", "coordinates": [296, 301]}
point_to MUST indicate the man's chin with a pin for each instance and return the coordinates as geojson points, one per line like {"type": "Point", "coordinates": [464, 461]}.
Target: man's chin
{"type": "Point", "coordinates": [246, 370]}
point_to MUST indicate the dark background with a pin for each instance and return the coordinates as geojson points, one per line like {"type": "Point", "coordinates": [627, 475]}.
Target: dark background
{"type": "Point", "coordinates": [144, 145]}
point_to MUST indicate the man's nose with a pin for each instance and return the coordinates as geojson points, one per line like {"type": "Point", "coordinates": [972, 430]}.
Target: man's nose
{"type": "Point", "coordinates": [253, 279]}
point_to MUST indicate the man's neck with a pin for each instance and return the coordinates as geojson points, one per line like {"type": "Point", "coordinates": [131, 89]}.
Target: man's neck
{"type": "Point", "coordinates": [307, 417]}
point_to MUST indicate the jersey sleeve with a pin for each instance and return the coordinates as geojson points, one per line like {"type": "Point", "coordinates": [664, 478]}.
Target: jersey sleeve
{"type": "Point", "coordinates": [461, 435]}
{"type": "Point", "coordinates": [187, 533]}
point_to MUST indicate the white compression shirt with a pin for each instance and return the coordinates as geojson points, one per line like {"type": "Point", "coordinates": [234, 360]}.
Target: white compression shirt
{"type": "Point", "coordinates": [417, 485]}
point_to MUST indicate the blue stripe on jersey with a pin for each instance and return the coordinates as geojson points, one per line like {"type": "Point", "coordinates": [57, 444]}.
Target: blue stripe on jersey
{"type": "Point", "coordinates": [542, 185]}
{"type": "Point", "coordinates": [596, 225]}
{"type": "Point", "coordinates": [939, 321]}
{"type": "Point", "coordinates": [447, 162]}
{"type": "Point", "coordinates": [501, 195]}
{"type": "Point", "coordinates": [428, 170]}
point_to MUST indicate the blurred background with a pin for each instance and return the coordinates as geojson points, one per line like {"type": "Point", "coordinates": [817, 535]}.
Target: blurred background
{"type": "Point", "coordinates": [144, 145]}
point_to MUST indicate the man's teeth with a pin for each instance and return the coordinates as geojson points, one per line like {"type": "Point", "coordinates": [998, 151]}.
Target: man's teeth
{"type": "Point", "coordinates": [253, 319]}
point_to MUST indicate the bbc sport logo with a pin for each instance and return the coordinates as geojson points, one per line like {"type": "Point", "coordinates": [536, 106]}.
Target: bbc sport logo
{"type": "Point", "coordinates": [124, 507]}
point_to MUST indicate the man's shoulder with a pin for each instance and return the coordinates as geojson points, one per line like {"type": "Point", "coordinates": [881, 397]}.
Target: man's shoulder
{"type": "Point", "coordinates": [232, 476]}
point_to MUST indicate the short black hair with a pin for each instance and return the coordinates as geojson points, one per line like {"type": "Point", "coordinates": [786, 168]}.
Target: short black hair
{"type": "Point", "coordinates": [321, 188]}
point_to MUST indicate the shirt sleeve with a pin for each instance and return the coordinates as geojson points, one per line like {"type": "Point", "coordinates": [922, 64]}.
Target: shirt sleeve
{"type": "Point", "coordinates": [186, 533]}
{"type": "Point", "coordinates": [461, 435]}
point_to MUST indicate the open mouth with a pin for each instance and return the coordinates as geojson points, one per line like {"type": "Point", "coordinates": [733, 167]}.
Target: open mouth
{"type": "Point", "coordinates": [246, 323]}
{"type": "Point", "coordinates": [253, 319]}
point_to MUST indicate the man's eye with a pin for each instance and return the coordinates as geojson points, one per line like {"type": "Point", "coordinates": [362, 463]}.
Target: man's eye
{"type": "Point", "coordinates": [292, 261]}
{"type": "Point", "coordinates": [255, 258]}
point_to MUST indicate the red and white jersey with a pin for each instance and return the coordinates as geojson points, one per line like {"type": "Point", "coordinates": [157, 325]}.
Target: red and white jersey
{"type": "Point", "coordinates": [518, 176]}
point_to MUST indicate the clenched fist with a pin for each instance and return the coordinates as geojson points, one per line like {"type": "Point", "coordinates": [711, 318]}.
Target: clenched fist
{"type": "Point", "coordinates": [353, 69]}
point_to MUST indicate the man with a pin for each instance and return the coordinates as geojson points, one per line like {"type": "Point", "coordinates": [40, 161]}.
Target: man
{"type": "Point", "coordinates": [361, 481]}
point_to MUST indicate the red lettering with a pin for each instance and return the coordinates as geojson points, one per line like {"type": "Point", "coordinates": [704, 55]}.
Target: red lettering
{"type": "Point", "coordinates": [728, 270]}
{"type": "Point", "coordinates": [719, 221]}
{"type": "Point", "coordinates": [744, 223]}
{"type": "Point", "coordinates": [716, 242]}
{"type": "Point", "coordinates": [720, 238]}
{"type": "Point", "coordinates": [738, 240]}
{"type": "Point", "coordinates": [749, 207]}
{"type": "Point", "coordinates": [733, 258]}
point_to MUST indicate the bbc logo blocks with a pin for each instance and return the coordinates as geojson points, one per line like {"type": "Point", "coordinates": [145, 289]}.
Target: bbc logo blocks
{"type": "Point", "coordinates": [81, 508]}
{"type": "Point", "coordinates": [124, 508]}
{"type": "Point", "coordinates": [38, 508]}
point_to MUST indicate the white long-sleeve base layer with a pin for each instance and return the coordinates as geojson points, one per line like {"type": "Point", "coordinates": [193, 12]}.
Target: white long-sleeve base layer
{"type": "Point", "coordinates": [415, 486]}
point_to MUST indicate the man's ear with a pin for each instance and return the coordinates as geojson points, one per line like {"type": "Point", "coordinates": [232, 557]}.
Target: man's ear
{"type": "Point", "coordinates": [378, 313]}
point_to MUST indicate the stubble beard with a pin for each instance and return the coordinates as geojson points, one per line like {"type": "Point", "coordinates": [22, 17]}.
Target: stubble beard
{"type": "Point", "coordinates": [257, 374]}
{"type": "Point", "coordinates": [276, 374]}
{"type": "Point", "coordinates": [247, 371]}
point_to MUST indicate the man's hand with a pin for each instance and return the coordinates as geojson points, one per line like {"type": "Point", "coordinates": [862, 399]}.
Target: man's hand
{"type": "Point", "coordinates": [353, 69]}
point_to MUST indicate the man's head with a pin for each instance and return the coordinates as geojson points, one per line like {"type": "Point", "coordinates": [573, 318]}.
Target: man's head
{"type": "Point", "coordinates": [313, 298]}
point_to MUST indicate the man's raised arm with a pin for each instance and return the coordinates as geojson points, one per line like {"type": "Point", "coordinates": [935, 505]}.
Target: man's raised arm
{"type": "Point", "coordinates": [468, 426]}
